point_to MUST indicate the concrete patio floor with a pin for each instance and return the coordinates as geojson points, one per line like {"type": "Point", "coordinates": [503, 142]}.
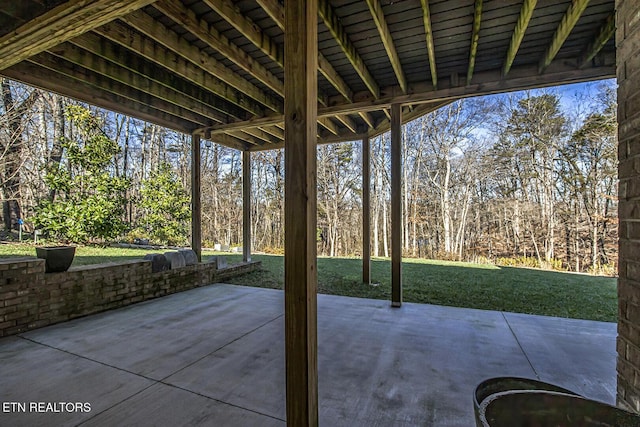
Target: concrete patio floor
{"type": "Point", "coordinates": [214, 356]}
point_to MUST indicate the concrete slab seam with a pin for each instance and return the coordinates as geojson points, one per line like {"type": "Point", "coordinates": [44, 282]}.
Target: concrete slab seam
{"type": "Point", "coordinates": [154, 382]}
{"type": "Point", "coordinates": [520, 345]}
{"type": "Point", "coordinates": [222, 401]}
{"type": "Point", "coordinates": [162, 380]}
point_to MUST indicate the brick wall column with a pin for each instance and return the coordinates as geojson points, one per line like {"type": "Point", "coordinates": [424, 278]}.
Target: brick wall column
{"type": "Point", "coordinates": [628, 73]}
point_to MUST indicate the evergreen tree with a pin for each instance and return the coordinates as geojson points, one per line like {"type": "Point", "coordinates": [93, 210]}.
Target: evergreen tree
{"type": "Point", "coordinates": [165, 206]}
{"type": "Point", "coordinates": [89, 202]}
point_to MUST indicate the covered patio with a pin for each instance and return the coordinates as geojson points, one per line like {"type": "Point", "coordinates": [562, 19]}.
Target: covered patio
{"type": "Point", "coordinates": [215, 356]}
{"type": "Point", "coordinates": [268, 74]}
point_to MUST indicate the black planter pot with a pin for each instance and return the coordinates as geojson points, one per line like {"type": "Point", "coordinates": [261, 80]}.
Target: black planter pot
{"type": "Point", "coordinates": [513, 402]}
{"type": "Point", "coordinates": [57, 258]}
{"type": "Point", "coordinates": [501, 384]}
{"type": "Point", "coordinates": [548, 408]}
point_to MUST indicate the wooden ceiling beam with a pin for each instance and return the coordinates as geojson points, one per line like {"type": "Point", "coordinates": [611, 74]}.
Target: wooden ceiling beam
{"type": "Point", "coordinates": [193, 96]}
{"type": "Point", "coordinates": [330, 139]}
{"type": "Point", "coordinates": [486, 83]}
{"type": "Point", "coordinates": [332, 22]}
{"type": "Point", "coordinates": [326, 123]}
{"type": "Point", "coordinates": [569, 20]}
{"type": "Point", "coordinates": [407, 116]}
{"type": "Point", "coordinates": [518, 34]}
{"type": "Point", "coordinates": [276, 11]}
{"type": "Point", "coordinates": [217, 41]}
{"type": "Point", "coordinates": [98, 65]}
{"type": "Point", "coordinates": [475, 36]}
{"type": "Point", "coordinates": [263, 136]}
{"type": "Point", "coordinates": [387, 40]}
{"type": "Point", "coordinates": [368, 119]}
{"type": "Point", "coordinates": [606, 31]}
{"type": "Point", "coordinates": [148, 96]}
{"type": "Point", "coordinates": [230, 141]}
{"type": "Point", "coordinates": [248, 95]}
{"type": "Point", "coordinates": [252, 137]}
{"type": "Point", "coordinates": [227, 10]}
{"type": "Point", "coordinates": [60, 24]}
{"type": "Point", "coordinates": [275, 131]}
{"type": "Point", "coordinates": [252, 32]}
{"type": "Point", "coordinates": [431, 51]}
{"type": "Point", "coordinates": [172, 62]}
{"type": "Point", "coordinates": [42, 77]}
{"type": "Point", "coordinates": [347, 122]}
{"type": "Point", "coordinates": [332, 76]}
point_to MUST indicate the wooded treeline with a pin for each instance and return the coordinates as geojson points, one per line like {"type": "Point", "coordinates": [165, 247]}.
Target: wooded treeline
{"type": "Point", "coordinates": [518, 179]}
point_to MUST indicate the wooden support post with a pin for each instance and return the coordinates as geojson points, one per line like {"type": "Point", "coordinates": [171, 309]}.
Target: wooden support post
{"type": "Point", "coordinates": [366, 211]}
{"type": "Point", "coordinates": [246, 206]}
{"type": "Point", "coordinates": [396, 206]}
{"type": "Point", "coordinates": [300, 264]}
{"type": "Point", "coordinates": [196, 204]}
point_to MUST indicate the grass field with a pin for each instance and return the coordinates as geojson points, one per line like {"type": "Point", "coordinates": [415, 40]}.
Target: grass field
{"type": "Point", "coordinates": [458, 284]}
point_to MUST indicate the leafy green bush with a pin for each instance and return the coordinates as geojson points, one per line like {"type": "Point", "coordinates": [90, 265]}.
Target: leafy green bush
{"type": "Point", "coordinates": [89, 201]}
{"type": "Point", "coordinates": [165, 207]}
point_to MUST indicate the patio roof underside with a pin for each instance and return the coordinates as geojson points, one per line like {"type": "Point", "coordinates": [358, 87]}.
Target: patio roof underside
{"type": "Point", "coordinates": [215, 67]}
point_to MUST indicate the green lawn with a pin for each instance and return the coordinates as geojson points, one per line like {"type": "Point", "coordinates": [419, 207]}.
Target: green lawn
{"type": "Point", "coordinates": [458, 284]}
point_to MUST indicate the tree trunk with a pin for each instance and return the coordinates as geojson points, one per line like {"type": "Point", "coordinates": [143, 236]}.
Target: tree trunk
{"type": "Point", "coordinates": [12, 154]}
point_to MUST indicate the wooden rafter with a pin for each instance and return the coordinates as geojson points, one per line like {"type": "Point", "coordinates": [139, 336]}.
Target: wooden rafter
{"type": "Point", "coordinates": [252, 137]}
{"type": "Point", "coordinates": [262, 136]}
{"type": "Point", "coordinates": [40, 76]}
{"type": "Point", "coordinates": [131, 92]}
{"type": "Point", "coordinates": [133, 79]}
{"type": "Point", "coordinates": [274, 131]}
{"type": "Point", "coordinates": [60, 24]}
{"type": "Point", "coordinates": [518, 34]}
{"type": "Point", "coordinates": [190, 88]}
{"type": "Point", "coordinates": [368, 119]}
{"type": "Point", "coordinates": [247, 28]}
{"type": "Point", "coordinates": [230, 141]}
{"type": "Point", "coordinates": [475, 36]}
{"type": "Point", "coordinates": [126, 38]}
{"type": "Point", "coordinates": [569, 20]}
{"type": "Point", "coordinates": [347, 122]}
{"type": "Point", "coordinates": [250, 30]}
{"type": "Point", "coordinates": [212, 37]}
{"type": "Point", "coordinates": [339, 34]}
{"type": "Point", "coordinates": [276, 11]}
{"type": "Point", "coordinates": [407, 116]}
{"type": "Point", "coordinates": [387, 40]}
{"type": "Point", "coordinates": [193, 96]}
{"type": "Point", "coordinates": [607, 30]}
{"type": "Point", "coordinates": [172, 41]}
{"type": "Point", "coordinates": [485, 83]}
{"type": "Point", "coordinates": [426, 17]}
{"type": "Point", "coordinates": [332, 76]}
{"type": "Point", "coordinates": [326, 123]}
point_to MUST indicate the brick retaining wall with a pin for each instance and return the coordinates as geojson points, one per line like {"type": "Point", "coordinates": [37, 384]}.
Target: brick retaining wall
{"type": "Point", "coordinates": [31, 299]}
